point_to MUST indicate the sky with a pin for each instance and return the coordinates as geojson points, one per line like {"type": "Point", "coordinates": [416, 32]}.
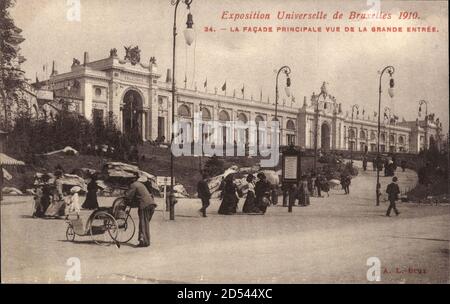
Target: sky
{"type": "Point", "coordinates": [348, 62]}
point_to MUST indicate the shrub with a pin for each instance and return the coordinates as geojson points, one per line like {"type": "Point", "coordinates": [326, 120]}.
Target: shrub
{"type": "Point", "coordinates": [214, 166]}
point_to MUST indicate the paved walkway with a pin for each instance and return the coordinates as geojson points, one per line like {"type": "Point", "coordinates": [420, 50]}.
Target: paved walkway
{"type": "Point", "coordinates": [328, 241]}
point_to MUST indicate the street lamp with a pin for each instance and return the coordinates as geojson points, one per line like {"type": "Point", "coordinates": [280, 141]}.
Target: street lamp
{"type": "Point", "coordinates": [324, 93]}
{"type": "Point", "coordinates": [355, 106]}
{"type": "Point", "coordinates": [390, 70]}
{"type": "Point", "coordinates": [286, 70]}
{"type": "Point", "coordinates": [421, 102]}
{"type": "Point", "coordinates": [189, 38]}
{"type": "Point", "coordinates": [388, 116]}
{"type": "Point", "coordinates": [201, 138]}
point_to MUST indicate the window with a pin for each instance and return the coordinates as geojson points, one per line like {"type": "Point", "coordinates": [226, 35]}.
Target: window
{"type": "Point", "coordinates": [258, 119]}
{"type": "Point", "coordinates": [98, 92]}
{"type": "Point", "coordinates": [242, 117]}
{"type": "Point", "coordinates": [351, 133]}
{"type": "Point", "coordinates": [223, 116]}
{"type": "Point", "coordinates": [290, 139]}
{"type": "Point", "coordinates": [161, 133]}
{"type": "Point", "coordinates": [362, 135]}
{"type": "Point", "coordinates": [392, 139]}
{"type": "Point", "coordinates": [290, 125]}
{"type": "Point", "coordinates": [183, 111]}
{"type": "Point", "coordinates": [206, 114]}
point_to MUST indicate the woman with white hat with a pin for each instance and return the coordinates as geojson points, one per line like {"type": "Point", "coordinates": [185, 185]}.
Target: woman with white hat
{"type": "Point", "coordinates": [74, 201]}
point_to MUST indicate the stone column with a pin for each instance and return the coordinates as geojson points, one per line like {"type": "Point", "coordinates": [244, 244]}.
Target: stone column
{"type": "Point", "coordinates": [114, 103]}
{"type": "Point", "coordinates": [87, 102]}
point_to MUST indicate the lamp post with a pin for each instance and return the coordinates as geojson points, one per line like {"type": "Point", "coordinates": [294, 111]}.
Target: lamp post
{"type": "Point", "coordinates": [355, 106]}
{"type": "Point", "coordinates": [421, 102]}
{"type": "Point", "coordinates": [189, 36]}
{"type": "Point", "coordinates": [388, 117]}
{"type": "Point", "coordinates": [201, 138]}
{"type": "Point", "coordinates": [286, 70]}
{"type": "Point", "coordinates": [390, 70]}
{"type": "Point", "coordinates": [323, 92]}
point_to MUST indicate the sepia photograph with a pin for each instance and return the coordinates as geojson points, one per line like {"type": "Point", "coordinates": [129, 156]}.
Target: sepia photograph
{"type": "Point", "coordinates": [224, 142]}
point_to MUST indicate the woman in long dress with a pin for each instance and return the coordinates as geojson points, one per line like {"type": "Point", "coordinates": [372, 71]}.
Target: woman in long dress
{"type": "Point", "coordinates": [262, 192]}
{"type": "Point", "coordinates": [46, 196]}
{"type": "Point", "coordinates": [91, 196]}
{"type": "Point", "coordinates": [57, 205]}
{"type": "Point", "coordinates": [230, 199]}
{"type": "Point", "coordinates": [250, 200]}
{"type": "Point", "coordinates": [303, 197]}
{"type": "Point", "coordinates": [43, 197]}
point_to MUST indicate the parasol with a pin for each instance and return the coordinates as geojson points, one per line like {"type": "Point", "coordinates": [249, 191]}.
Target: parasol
{"type": "Point", "coordinates": [272, 177]}
{"type": "Point", "coordinates": [6, 160]}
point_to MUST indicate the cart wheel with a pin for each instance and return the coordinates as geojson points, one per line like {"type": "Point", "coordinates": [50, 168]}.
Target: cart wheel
{"type": "Point", "coordinates": [127, 229]}
{"type": "Point", "coordinates": [104, 229]}
{"type": "Point", "coordinates": [70, 234]}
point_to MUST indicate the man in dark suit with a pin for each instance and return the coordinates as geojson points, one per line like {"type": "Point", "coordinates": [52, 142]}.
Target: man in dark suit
{"type": "Point", "coordinates": [393, 191]}
{"type": "Point", "coordinates": [203, 193]}
{"type": "Point", "coordinates": [139, 195]}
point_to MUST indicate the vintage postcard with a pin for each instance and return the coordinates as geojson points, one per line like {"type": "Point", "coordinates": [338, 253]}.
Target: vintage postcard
{"type": "Point", "coordinates": [201, 141]}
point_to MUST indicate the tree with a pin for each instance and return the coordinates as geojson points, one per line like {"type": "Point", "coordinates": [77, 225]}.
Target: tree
{"type": "Point", "coordinates": [12, 77]}
{"type": "Point", "coordinates": [214, 166]}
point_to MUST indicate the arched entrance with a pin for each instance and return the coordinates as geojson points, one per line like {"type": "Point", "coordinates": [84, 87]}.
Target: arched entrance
{"type": "Point", "coordinates": [325, 137]}
{"type": "Point", "coordinates": [290, 132]}
{"type": "Point", "coordinates": [132, 115]}
{"type": "Point", "coordinates": [242, 135]}
{"type": "Point", "coordinates": [224, 117]}
{"type": "Point", "coordinates": [185, 123]}
{"type": "Point", "coordinates": [259, 129]}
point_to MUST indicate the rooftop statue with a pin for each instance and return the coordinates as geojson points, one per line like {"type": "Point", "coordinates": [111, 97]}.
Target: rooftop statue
{"type": "Point", "coordinates": [132, 54]}
{"type": "Point", "coordinates": [113, 52]}
{"type": "Point", "coordinates": [75, 62]}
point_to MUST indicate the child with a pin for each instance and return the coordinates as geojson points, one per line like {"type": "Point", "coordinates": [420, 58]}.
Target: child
{"type": "Point", "coordinates": [74, 202]}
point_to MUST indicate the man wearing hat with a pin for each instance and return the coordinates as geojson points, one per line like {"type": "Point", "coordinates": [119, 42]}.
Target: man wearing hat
{"type": "Point", "coordinates": [203, 193]}
{"type": "Point", "coordinates": [262, 192]}
{"type": "Point", "coordinates": [392, 190]}
{"type": "Point", "coordinates": [139, 195]}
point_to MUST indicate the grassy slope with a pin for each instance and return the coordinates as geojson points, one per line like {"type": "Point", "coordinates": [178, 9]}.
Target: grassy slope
{"type": "Point", "coordinates": [156, 161]}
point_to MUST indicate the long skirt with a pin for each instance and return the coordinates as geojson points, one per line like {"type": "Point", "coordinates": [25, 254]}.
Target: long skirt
{"type": "Point", "coordinates": [45, 202]}
{"type": "Point", "coordinates": [56, 208]}
{"type": "Point", "coordinates": [229, 204]}
{"type": "Point", "coordinates": [145, 216]}
{"type": "Point", "coordinates": [250, 203]}
{"type": "Point", "coordinates": [262, 202]}
{"type": "Point", "coordinates": [91, 201]}
{"type": "Point", "coordinates": [40, 206]}
{"type": "Point", "coordinates": [303, 198]}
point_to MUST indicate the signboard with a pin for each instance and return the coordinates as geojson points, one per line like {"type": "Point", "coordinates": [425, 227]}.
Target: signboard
{"type": "Point", "coordinates": [290, 169]}
{"type": "Point", "coordinates": [164, 180]}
